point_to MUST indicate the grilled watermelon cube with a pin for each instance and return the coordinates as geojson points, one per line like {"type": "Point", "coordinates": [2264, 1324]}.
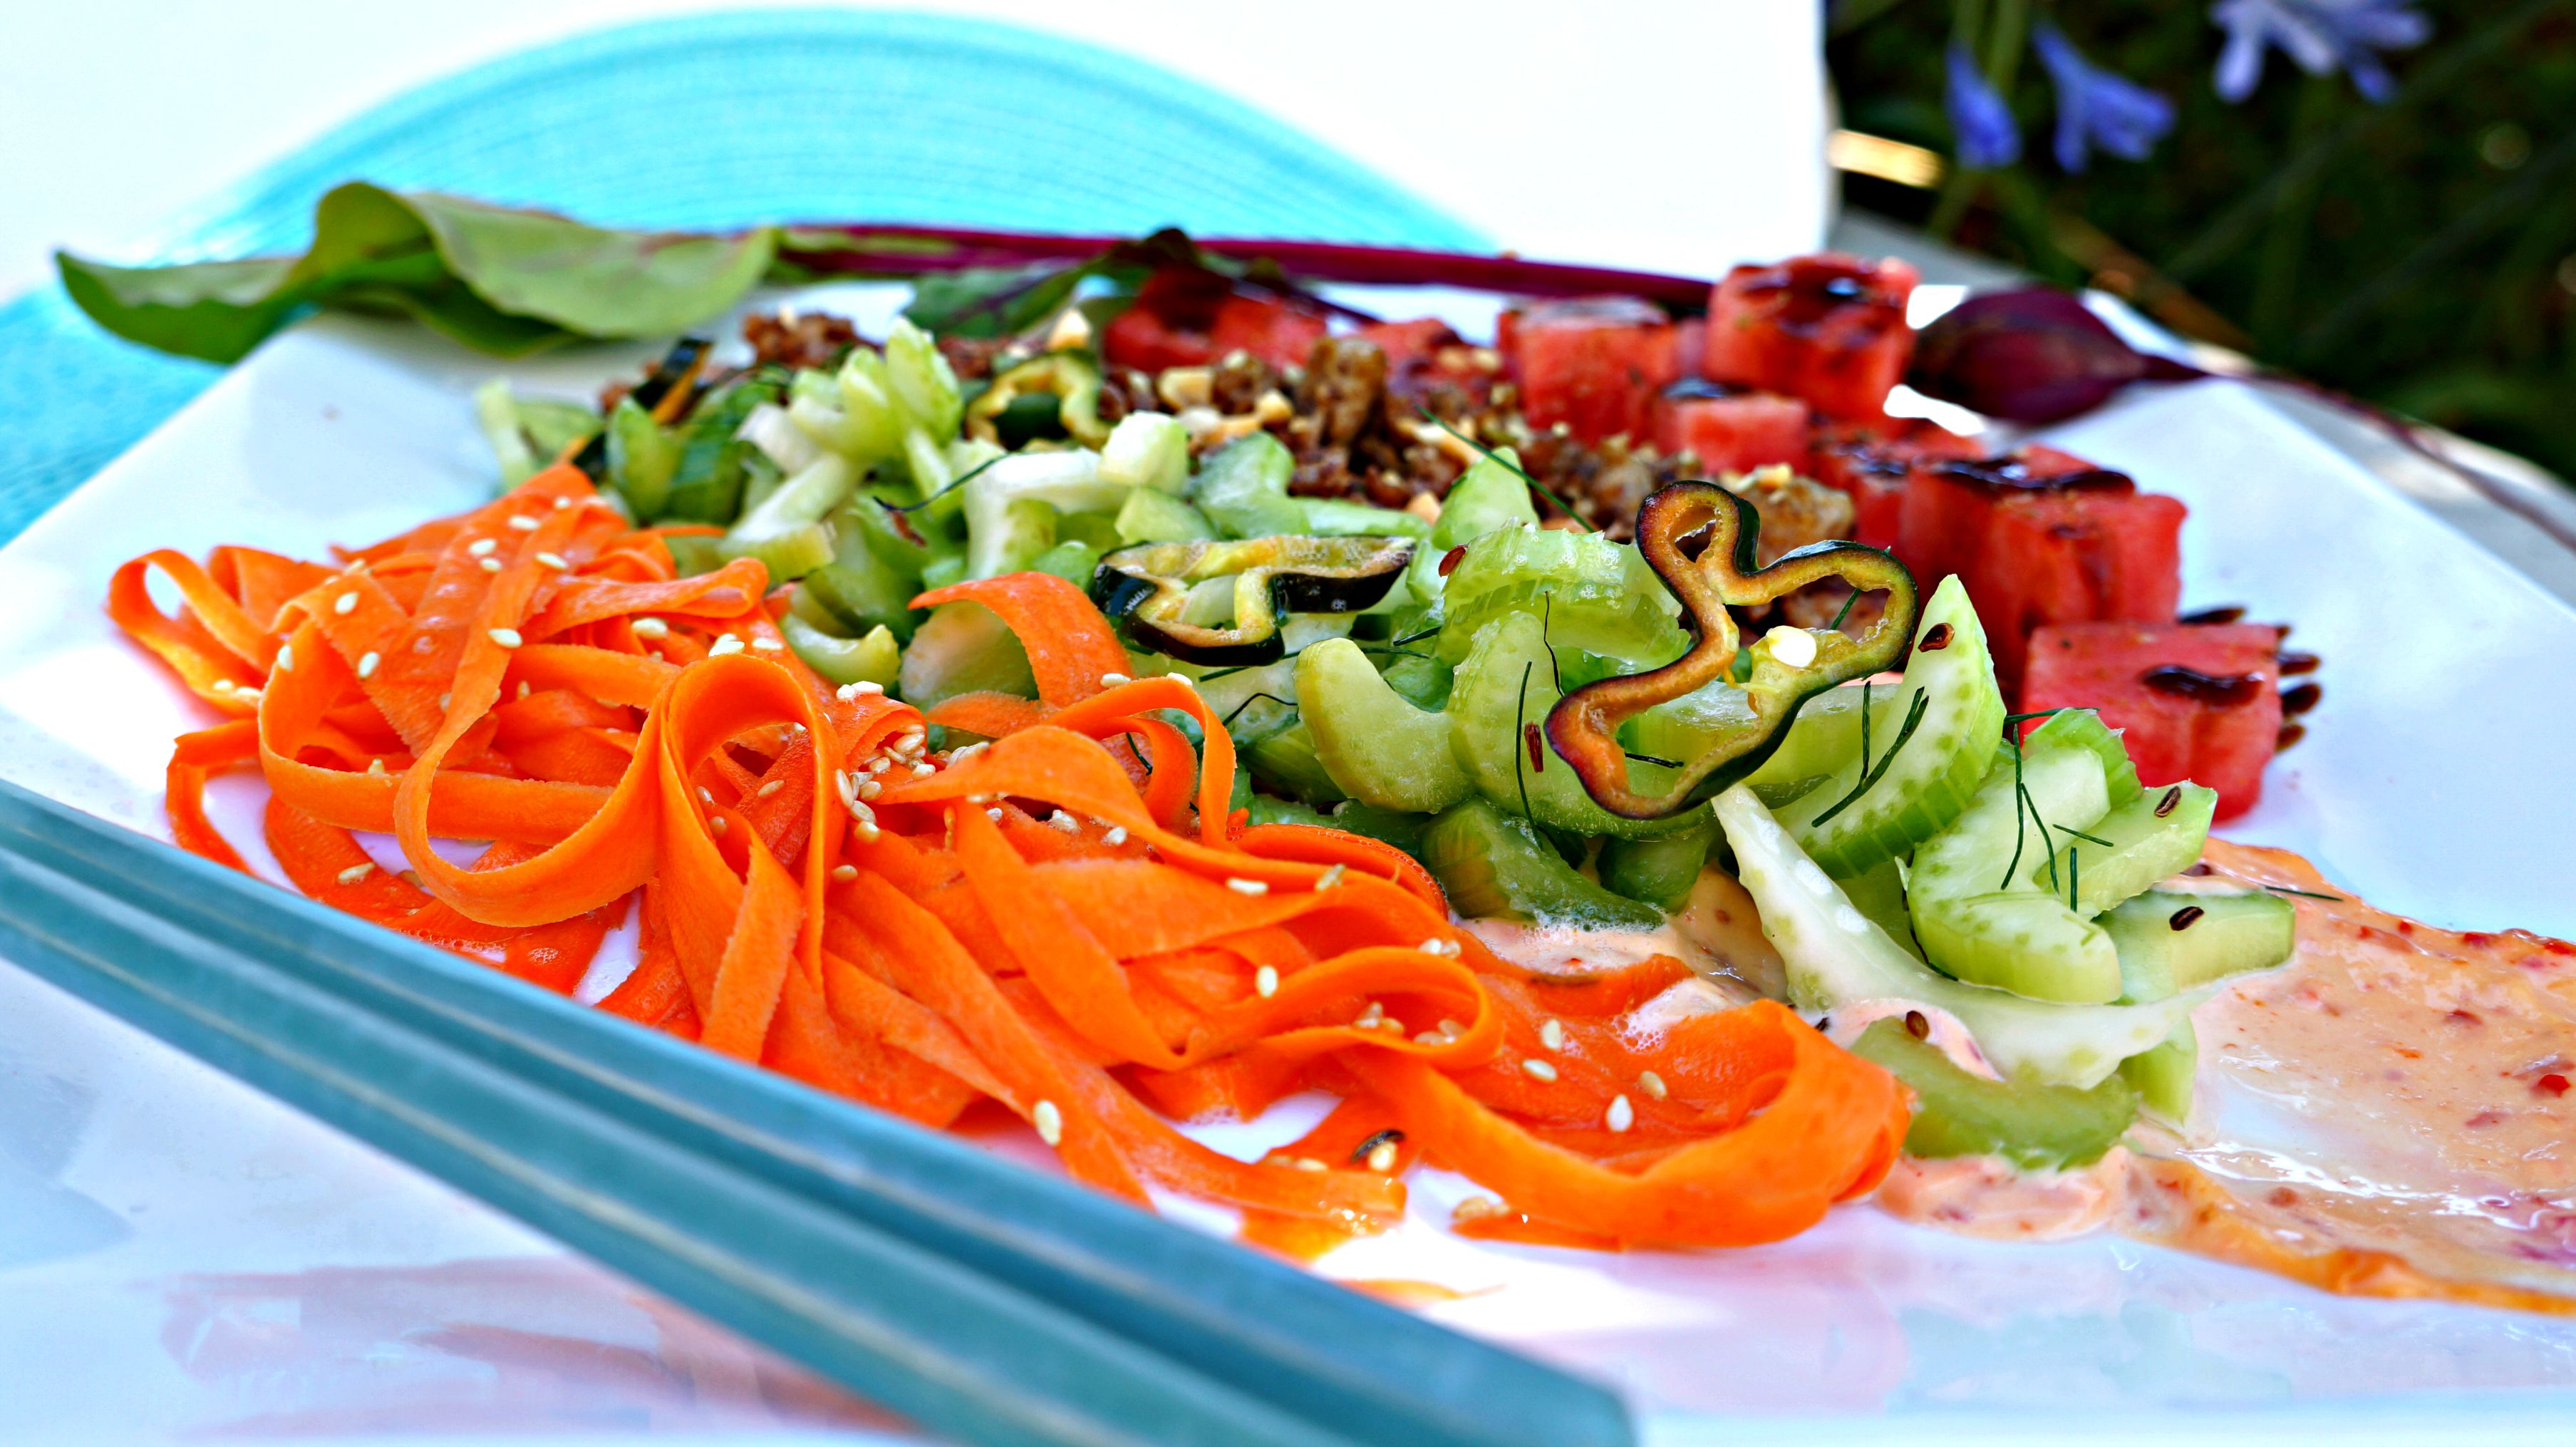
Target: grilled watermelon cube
{"type": "Point", "coordinates": [1731, 431]}
{"type": "Point", "coordinates": [1829, 330]}
{"type": "Point", "coordinates": [2198, 701]}
{"type": "Point", "coordinates": [1186, 318]}
{"type": "Point", "coordinates": [1406, 343]}
{"type": "Point", "coordinates": [1873, 463]}
{"type": "Point", "coordinates": [1595, 364]}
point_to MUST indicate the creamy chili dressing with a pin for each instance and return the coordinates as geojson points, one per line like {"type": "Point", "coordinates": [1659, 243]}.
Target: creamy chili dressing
{"type": "Point", "coordinates": [1984, 1196]}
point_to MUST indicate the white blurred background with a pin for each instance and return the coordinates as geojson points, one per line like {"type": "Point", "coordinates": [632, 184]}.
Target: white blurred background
{"type": "Point", "coordinates": [1679, 136]}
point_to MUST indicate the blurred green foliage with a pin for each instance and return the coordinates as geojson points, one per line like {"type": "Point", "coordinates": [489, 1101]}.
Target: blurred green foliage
{"type": "Point", "coordinates": [2421, 253]}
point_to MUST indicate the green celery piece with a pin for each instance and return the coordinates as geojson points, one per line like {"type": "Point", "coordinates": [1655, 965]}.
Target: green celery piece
{"type": "Point", "coordinates": [1149, 516]}
{"type": "Point", "coordinates": [2144, 846]}
{"type": "Point", "coordinates": [876, 658]}
{"type": "Point", "coordinates": [2163, 1076]}
{"type": "Point", "coordinates": [924, 386]}
{"type": "Point", "coordinates": [867, 530]}
{"type": "Point", "coordinates": [1387, 826]}
{"type": "Point", "coordinates": [2036, 1127]}
{"type": "Point", "coordinates": [1377, 748]}
{"type": "Point", "coordinates": [1981, 918]}
{"type": "Point", "coordinates": [798, 502]}
{"type": "Point", "coordinates": [707, 483]}
{"type": "Point", "coordinates": [2073, 727]}
{"type": "Point", "coordinates": [502, 281]}
{"type": "Point", "coordinates": [1072, 560]}
{"type": "Point", "coordinates": [857, 596]}
{"type": "Point", "coordinates": [1824, 736]}
{"type": "Point", "coordinates": [1506, 683]}
{"type": "Point", "coordinates": [964, 647]}
{"type": "Point", "coordinates": [1488, 496]}
{"type": "Point", "coordinates": [1495, 866]}
{"type": "Point", "coordinates": [1242, 487]}
{"type": "Point", "coordinates": [1149, 451]}
{"type": "Point", "coordinates": [1835, 955]}
{"type": "Point", "coordinates": [1333, 517]}
{"type": "Point", "coordinates": [642, 455]}
{"type": "Point", "coordinates": [1268, 809]}
{"type": "Point", "coordinates": [1594, 594]}
{"type": "Point", "coordinates": [1011, 505]}
{"type": "Point", "coordinates": [2171, 941]}
{"type": "Point", "coordinates": [1287, 761]}
{"type": "Point", "coordinates": [528, 433]}
{"type": "Point", "coordinates": [1660, 872]}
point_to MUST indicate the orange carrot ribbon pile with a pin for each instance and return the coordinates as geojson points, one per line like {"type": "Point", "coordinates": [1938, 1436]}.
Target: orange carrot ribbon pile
{"type": "Point", "coordinates": [1060, 919]}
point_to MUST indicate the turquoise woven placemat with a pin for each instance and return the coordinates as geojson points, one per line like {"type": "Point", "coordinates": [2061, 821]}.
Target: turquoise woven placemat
{"type": "Point", "coordinates": [721, 120]}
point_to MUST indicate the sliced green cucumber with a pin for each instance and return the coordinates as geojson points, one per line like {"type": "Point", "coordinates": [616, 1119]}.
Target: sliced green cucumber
{"type": "Point", "coordinates": [1931, 778]}
{"type": "Point", "coordinates": [1505, 687]}
{"type": "Point", "coordinates": [964, 647]}
{"type": "Point", "coordinates": [2036, 1127]}
{"type": "Point", "coordinates": [1976, 911]}
{"type": "Point", "coordinates": [1288, 763]}
{"type": "Point", "coordinates": [642, 455]}
{"type": "Point", "coordinates": [2083, 727]}
{"type": "Point", "coordinates": [1487, 496]}
{"type": "Point", "coordinates": [875, 658]}
{"type": "Point", "coordinates": [1387, 826]}
{"type": "Point", "coordinates": [861, 597]}
{"type": "Point", "coordinates": [1835, 956]}
{"type": "Point", "coordinates": [1242, 487]}
{"type": "Point", "coordinates": [1378, 748]}
{"type": "Point", "coordinates": [1592, 594]}
{"type": "Point", "coordinates": [2163, 1076]}
{"type": "Point", "coordinates": [2170, 941]}
{"type": "Point", "coordinates": [1659, 872]}
{"type": "Point", "coordinates": [1493, 866]}
{"type": "Point", "coordinates": [1150, 516]}
{"type": "Point", "coordinates": [2156, 835]}
{"type": "Point", "coordinates": [788, 554]}
{"type": "Point", "coordinates": [1879, 894]}
{"type": "Point", "coordinates": [1824, 736]}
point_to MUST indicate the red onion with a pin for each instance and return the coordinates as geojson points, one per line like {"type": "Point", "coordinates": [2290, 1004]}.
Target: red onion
{"type": "Point", "coordinates": [2031, 355]}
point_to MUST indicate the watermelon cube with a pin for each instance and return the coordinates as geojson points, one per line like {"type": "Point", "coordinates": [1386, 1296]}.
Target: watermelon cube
{"type": "Point", "coordinates": [1595, 364]}
{"type": "Point", "coordinates": [1406, 343]}
{"type": "Point", "coordinates": [1187, 318]}
{"type": "Point", "coordinates": [1872, 464]}
{"type": "Point", "coordinates": [2198, 701]}
{"type": "Point", "coordinates": [2042, 537]}
{"type": "Point", "coordinates": [1731, 431]}
{"type": "Point", "coordinates": [1829, 330]}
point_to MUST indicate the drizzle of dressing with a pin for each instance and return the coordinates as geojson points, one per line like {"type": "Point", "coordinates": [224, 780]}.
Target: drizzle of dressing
{"type": "Point", "coordinates": [1984, 1196]}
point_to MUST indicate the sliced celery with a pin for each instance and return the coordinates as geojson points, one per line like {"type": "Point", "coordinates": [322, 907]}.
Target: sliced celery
{"type": "Point", "coordinates": [1593, 594]}
{"type": "Point", "coordinates": [1150, 516]}
{"type": "Point", "coordinates": [2036, 1127]}
{"type": "Point", "coordinates": [2163, 1076]}
{"type": "Point", "coordinates": [1376, 747]}
{"type": "Point", "coordinates": [642, 454]}
{"type": "Point", "coordinates": [1662, 871]}
{"type": "Point", "coordinates": [876, 658]}
{"type": "Point", "coordinates": [2170, 941]}
{"type": "Point", "coordinates": [1150, 451]}
{"type": "Point", "coordinates": [1487, 496]}
{"type": "Point", "coordinates": [2154, 836]}
{"type": "Point", "coordinates": [1977, 911]}
{"type": "Point", "coordinates": [1287, 762]}
{"type": "Point", "coordinates": [1503, 691]}
{"type": "Point", "coordinates": [964, 647]}
{"type": "Point", "coordinates": [1242, 487]}
{"type": "Point", "coordinates": [1494, 866]}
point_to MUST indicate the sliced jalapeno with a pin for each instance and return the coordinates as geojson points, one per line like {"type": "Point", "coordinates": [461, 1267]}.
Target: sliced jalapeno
{"type": "Point", "coordinates": [1072, 378]}
{"type": "Point", "coordinates": [1699, 538]}
{"type": "Point", "coordinates": [1151, 587]}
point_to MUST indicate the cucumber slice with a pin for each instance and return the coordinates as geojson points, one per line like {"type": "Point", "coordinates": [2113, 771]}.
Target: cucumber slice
{"type": "Point", "coordinates": [860, 598]}
{"type": "Point", "coordinates": [1824, 736]}
{"type": "Point", "coordinates": [1508, 683]}
{"type": "Point", "coordinates": [1377, 748]}
{"type": "Point", "coordinates": [1594, 594]}
{"type": "Point", "coordinates": [788, 554]}
{"type": "Point", "coordinates": [2082, 727]}
{"type": "Point", "coordinates": [2170, 941]}
{"type": "Point", "coordinates": [1980, 916]}
{"type": "Point", "coordinates": [1487, 496]}
{"type": "Point", "coordinates": [2154, 836]}
{"type": "Point", "coordinates": [1148, 450]}
{"type": "Point", "coordinates": [1333, 517]}
{"type": "Point", "coordinates": [1933, 776]}
{"type": "Point", "coordinates": [1493, 866]}
{"type": "Point", "coordinates": [875, 658]}
{"type": "Point", "coordinates": [2036, 1127]}
{"type": "Point", "coordinates": [1879, 894]}
{"type": "Point", "coordinates": [2163, 1076]}
{"type": "Point", "coordinates": [1387, 826]}
{"type": "Point", "coordinates": [642, 455]}
{"type": "Point", "coordinates": [1835, 956]}
{"type": "Point", "coordinates": [1659, 872]}
{"type": "Point", "coordinates": [964, 647]}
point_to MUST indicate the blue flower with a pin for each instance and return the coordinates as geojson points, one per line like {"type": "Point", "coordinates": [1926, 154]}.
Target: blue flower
{"type": "Point", "coordinates": [1979, 120]}
{"type": "Point", "coordinates": [2322, 36]}
{"type": "Point", "coordinates": [2096, 107]}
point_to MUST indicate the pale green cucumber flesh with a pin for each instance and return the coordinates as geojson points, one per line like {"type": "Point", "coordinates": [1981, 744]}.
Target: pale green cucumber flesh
{"type": "Point", "coordinates": [1977, 913]}
{"type": "Point", "coordinates": [1507, 684]}
{"type": "Point", "coordinates": [1286, 761]}
{"type": "Point", "coordinates": [1932, 777]}
{"type": "Point", "coordinates": [964, 647]}
{"type": "Point", "coordinates": [1492, 865]}
{"type": "Point", "coordinates": [2163, 1076]}
{"type": "Point", "coordinates": [2173, 941]}
{"type": "Point", "coordinates": [1377, 748]}
{"type": "Point", "coordinates": [2145, 846]}
{"type": "Point", "coordinates": [2083, 727]}
{"type": "Point", "coordinates": [1662, 871]}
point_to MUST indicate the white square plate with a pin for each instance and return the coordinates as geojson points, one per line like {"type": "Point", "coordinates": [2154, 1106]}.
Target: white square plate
{"type": "Point", "coordinates": [240, 1268]}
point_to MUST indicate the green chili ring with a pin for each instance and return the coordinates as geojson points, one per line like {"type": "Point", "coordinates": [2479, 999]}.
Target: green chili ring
{"type": "Point", "coordinates": [1147, 589]}
{"type": "Point", "coordinates": [1583, 727]}
{"type": "Point", "coordinates": [1072, 378]}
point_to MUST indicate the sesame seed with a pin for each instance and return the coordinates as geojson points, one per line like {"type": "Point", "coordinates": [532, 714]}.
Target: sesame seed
{"type": "Point", "coordinates": [725, 643]}
{"type": "Point", "coordinates": [1538, 1070]}
{"type": "Point", "coordinates": [845, 872]}
{"type": "Point", "coordinates": [523, 522]}
{"type": "Point", "coordinates": [444, 699]}
{"type": "Point", "coordinates": [650, 628]}
{"type": "Point", "coordinates": [853, 692]}
{"type": "Point", "coordinates": [716, 823]}
{"type": "Point", "coordinates": [482, 547]}
{"type": "Point", "coordinates": [523, 688]}
{"type": "Point", "coordinates": [1452, 1028]}
{"type": "Point", "coordinates": [285, 662]}
{"type": "Point", "coordinates": [357, 872]}
{"type": "Point", "coordinates": [1115, 836]}
{"type": "Point", "coordinates": [910, 740]}
{"type": "Point", "coordinates": [247, 695]}
{"type": "Point", "coordinates": [1381, 1157]}
{"type": "Point", "coordinates": [561, 503]}
{"type": "Point", "coordinates": [767, 644]}
{"type": "Point", "coordinates": [1330, 877]}
{"type": "Point", "coordinates": [1434, 946]}
{"type": "Point", "coordinates": [879, 765]}
{"type": "Point", "coordinates": [994, 814]}
{"type": "Point", "coordinates": [491, 565]}
{"type": "Point", "coordinates": [862, 811]}
{"type": "Point", "coordinates": [376, 767]}
{"type": "Point", "coordinates": [924, 770]}
{"type": "Point", "coordinates": [555, 561]}
{"type": "Point", "coordinates": [772, 787]}
{"type": "Point", "coordinates": [703, 796]}
{"type": "Point", "coordinates": [1112, 680]}
{"type": "Point", "coordinates": [506, 637]}
{"type": "Point", "coordinates": [1060, 820]}
{"type": "Point", "coordinates": [1620, 1115]}
{"type": "Point", "coordinates": [1431, 1037]}
{"type": "Point", "coordinates": [1477, 1208]}
{"type": "Point", "coordinates": [867, 830]}
{"type": "Point", "coordinates": [1651, 1083]}
{"type": "Point", "coordinates": [345, 604]}
{"type": "Point", "coordinates": [1307, 1163]}
{"type": "Point", "coordinates": [1265, 981]}
{"type": "Point", "coordinates": [1369, 1017]}
{"type": "Point", "coordinates": [1247, 886]}
{"type": "Point", "coordinates": [1049, 1122]}
{"type": "Point", "coordinates": [222, 685]}
{"type": "Point", "coordinates": [865, 788]}
{"type": "Point", "coordinates": [367, 664]}
{"type": "Point", "coordinates": [1551, 1033]}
